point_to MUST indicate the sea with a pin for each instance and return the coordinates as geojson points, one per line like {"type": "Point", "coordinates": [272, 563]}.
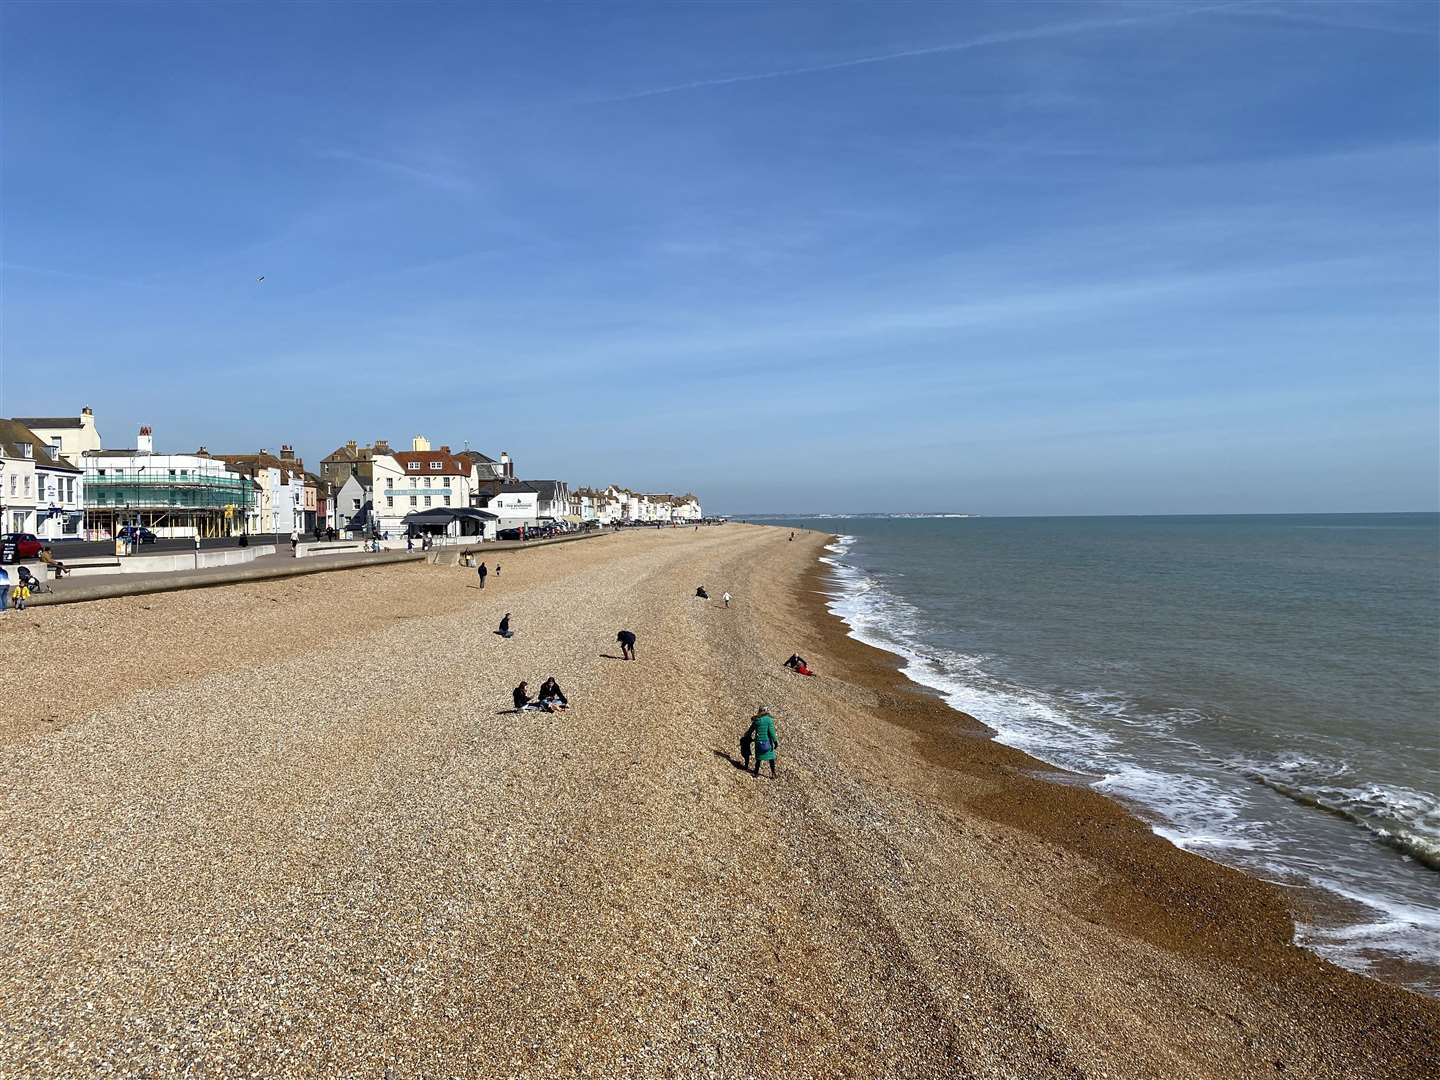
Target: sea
{"type": "Point", "coordinates": [1263, 690]}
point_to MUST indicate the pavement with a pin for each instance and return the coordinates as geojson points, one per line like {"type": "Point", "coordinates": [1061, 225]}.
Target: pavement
{"type": "Point", "coordinates": [72, 590]}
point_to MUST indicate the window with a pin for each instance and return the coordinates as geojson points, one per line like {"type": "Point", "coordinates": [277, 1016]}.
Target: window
{"type": "Point", "coordinates": [172, 474]}
{"type": "Point", "coordinates": [13, 481]}
{"type": "Point", "coordinates": [414, 466]}
{"type": "Point", "coordinates": [436, 466]}
{"type": "Point", "coordinates": [427, 481]}
{"type": "Point", "coordinates": [27, 485]}
{"type": "Point", "coordinates": [427, 500]}
{"type": "Point", "coordinates": [390, 481]}
{"type": "Point", "coordinates": [413, 500]}
{"type": "Point", "coordinates": [357, 503]}
{"type": "Point", "coordinates": [447, 498]}
{"type": "Point", "coordinates": [389, 501]}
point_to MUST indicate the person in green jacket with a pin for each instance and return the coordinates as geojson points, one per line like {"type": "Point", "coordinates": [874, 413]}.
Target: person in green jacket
{"type": "Point", "coordinates": [764, 738]}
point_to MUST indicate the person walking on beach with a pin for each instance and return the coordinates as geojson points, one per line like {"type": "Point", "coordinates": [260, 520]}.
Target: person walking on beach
{"type": "Point", "coordinates": [484, 572]}
{"type": "Point", "coordinates": [294, 541]}
{"type": "Point", "coordinates": [626, 638]}
{"type": "Point", "coordinates": [726, 598]}
{"type": "Point", "coordinates": [497, 569]}
{"type": "Point", "coordinates": [505, 630]}
{"type": "Point", "coordinates": [764, 738]}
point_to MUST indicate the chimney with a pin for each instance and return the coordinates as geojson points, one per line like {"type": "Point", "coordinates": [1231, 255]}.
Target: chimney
{"type": "Point", "coordinates": [381, 447]}
{"type": "Point", "coordinates": [146, 443]}
{"type": "Point", "coordinates": [352, 445]}
{"type": "Point", "coordinates": [287, 452]}
{"type": "Point", "coordinates": [507, 467]}
{"type": "Point", "coordinates": [87, 418]}
{"type": "Point", "coordinates": [420, 444]}
{"type": "Point", "coordinates": [202, 452]}
{"type": "Point", "coordinates": [444, 449]}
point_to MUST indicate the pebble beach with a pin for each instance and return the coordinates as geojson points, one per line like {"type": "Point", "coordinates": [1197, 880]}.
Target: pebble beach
{"type": "Point", "coordinates": [294, 828]}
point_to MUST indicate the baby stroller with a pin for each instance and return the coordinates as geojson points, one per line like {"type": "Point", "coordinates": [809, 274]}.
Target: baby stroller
{"type": "Point", "coordinates": [34, 584]}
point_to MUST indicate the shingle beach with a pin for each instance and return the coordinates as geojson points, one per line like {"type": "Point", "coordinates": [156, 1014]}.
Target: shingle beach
{"type": "Point", "coordinates": [292, 828]}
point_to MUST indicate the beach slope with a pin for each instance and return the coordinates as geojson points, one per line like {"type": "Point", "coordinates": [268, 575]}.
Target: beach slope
{"type": "Point", "coordinates": [293, 828]}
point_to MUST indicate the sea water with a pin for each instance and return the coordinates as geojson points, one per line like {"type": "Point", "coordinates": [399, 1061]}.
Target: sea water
{"type": "Point", "coordinates": [1265, 690]}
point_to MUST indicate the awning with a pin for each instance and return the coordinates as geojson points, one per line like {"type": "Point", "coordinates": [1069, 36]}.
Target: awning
{"type": "Point", "coordinates": [443, 515]}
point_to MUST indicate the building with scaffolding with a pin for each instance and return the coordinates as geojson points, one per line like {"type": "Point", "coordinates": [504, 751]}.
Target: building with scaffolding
{"type": "Point", "coordinates": [173, 495]}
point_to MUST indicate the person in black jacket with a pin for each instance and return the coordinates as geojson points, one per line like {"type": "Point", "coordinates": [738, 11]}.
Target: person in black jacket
{"type": "Point", "coordinates": [626, 638]}
{"type": "Point", "coordinates": [484, 572]}
{"type": "Point", "coordinates": [551, 697]}
{"type": "Point", "coordinates": [505, 630]}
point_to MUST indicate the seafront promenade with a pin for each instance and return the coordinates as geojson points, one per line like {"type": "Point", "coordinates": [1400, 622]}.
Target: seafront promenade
{"type": "Point", "coordinates": [291, 828]}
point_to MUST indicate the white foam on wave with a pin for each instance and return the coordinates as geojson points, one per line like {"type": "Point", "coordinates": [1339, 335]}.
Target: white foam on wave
{"type": "Point", "coordinates": [1199, 813]}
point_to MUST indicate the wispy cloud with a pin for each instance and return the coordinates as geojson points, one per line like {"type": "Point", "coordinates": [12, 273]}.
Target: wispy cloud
{"type": "Point", "coordinates": [1325, 16]}
{"type": "Point", "coordinates": [1052, 30]}
{"type": "Point", "coordinates": [445, 181]}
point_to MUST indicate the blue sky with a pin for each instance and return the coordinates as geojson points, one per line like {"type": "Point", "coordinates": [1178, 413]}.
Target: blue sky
{"type": "Point", "coordinates": [1008, 259]}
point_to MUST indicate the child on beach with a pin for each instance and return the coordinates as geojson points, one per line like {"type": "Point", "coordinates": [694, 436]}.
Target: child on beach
{"type": "Point", "coordinates": [764, 739]}
{"type": "Point", "coordinates": [726, 598]}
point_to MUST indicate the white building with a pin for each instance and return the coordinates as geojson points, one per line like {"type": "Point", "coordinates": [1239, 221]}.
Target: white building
{"type": "Point", "coordinates": [175, 495]}
{"type": "Point", "coordinates": [515, 503]}
{"type": "Point", "coordinates": [49, 487]}
{"type": "Point", "coordinates": [419, 479]}
{"type": "Point", "coordinates": [552, 499]}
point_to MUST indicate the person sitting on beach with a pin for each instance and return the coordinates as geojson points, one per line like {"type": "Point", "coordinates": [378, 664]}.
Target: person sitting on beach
{"type": "Point", "coordinates": [795, 661]}
{"type": "Point", "coordinates": [764, 738]}
{"type": "Point", "coordinates": [551, 697]}
{"type": "Point", "coordinates": [521, 696]}
{"type": "Point", "coordinates": [626, 638]}
{"type": "Point", "coordinates": [505, 630]}
{"type": "Point", "coordinates": [701, 593]}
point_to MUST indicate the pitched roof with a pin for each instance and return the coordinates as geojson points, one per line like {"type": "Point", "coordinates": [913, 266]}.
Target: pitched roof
{"type": "Point", "coordinates": [548, 489]}
{"type": "Point", "coordinates": [490, 488]}
{"type": "Point", "coordinates": [476, 455]}
{"type": "Point", "coordinates": [450, 464]}
{"type": "Point", "coordinates": [14, 434]}
{"type": "Point", "coordinates": [49, 421]}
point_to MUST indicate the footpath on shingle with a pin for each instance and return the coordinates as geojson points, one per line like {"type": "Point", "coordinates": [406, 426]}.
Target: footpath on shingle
{"type": "Point", "coordinates": [282, 564]}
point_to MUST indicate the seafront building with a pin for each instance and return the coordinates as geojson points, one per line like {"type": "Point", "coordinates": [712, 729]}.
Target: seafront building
{"type": "Point", "coordinates": [58, 481]}
{"type": "Point", "coordinates": [41, 491]}
{"type": "Point", "coordinates": [514, 503]}
{"type": "Point", "coordinates": [552, 499]}
{"type": "Point", "coordinates": [173, 495]}
{"type": "Point", "coordinates": [419, 479]}
{"type": "Point", "coordinates": [281, 483]}
{"type": "Point", "coordinates": [68, 437]}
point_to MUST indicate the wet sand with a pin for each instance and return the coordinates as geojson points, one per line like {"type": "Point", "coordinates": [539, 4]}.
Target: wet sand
{"type": "Point", "coordinates": [291, 829]}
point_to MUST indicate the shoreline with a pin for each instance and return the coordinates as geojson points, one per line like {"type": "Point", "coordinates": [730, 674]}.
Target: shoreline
{"type": "Point", "coordinates": [1313, 906]}
{"type": "Point", "coordinates": [1178, 900]}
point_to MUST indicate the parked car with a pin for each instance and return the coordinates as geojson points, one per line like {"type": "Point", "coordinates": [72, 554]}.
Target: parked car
{"type": "Point", "coordinates": [508, 534]}
{"type": "Point", "coordinates": [136, 534]}
{"type": "Point", "coordinates": [26, 545]}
